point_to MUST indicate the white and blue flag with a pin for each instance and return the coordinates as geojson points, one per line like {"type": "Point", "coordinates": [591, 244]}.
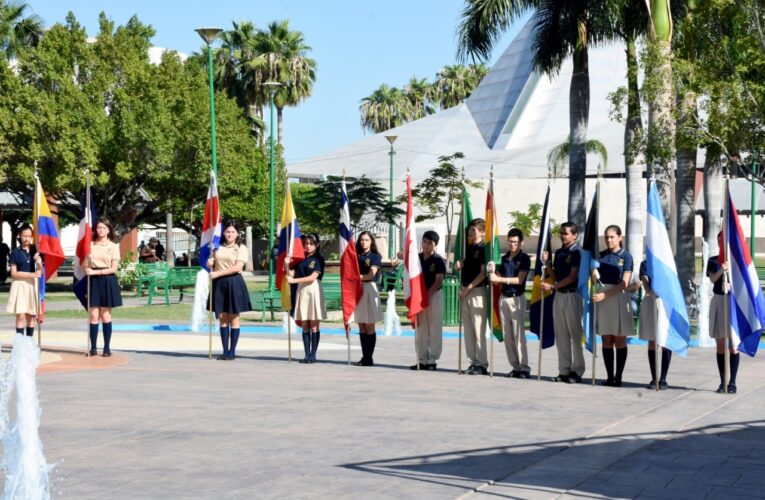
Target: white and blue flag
{"type": "Point", "coordinates": [673, 330]}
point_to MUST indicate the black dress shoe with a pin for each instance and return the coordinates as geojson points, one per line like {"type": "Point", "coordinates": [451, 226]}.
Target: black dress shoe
{"type": "Point", "coordinates": [617, 382]}
{"type": "Point", "coordinates": [107, 354]}
{"type": "Point", "coordinates": [93, 353]}
{"type": "Point", "coordinates": [731, 389]}
{"type": "Point", "coordinates": [514, 374]}
{"type": "Point", "coordinates": [609, 382]}
{"type": "Point", "coordinates": [575, 378]}
{"type": "Point", "coordinates": [652, 385]}
{"type": "Point", "coordinates": [562, 378]}
{"type": "Point", "coordinates": [524, 374]}
{"type": "Point", "coordinates": [418, 366]}
{"type": "Point", "coordinates": [482, 370]}
{"type": "Point", "coordinates": [720, 389]}
{"type": "Point", "coordinates": [364, 362]}
{"type": "Point", "coordinates": [431, 367]}
{"type": "Point", "coordinates": [663, 386]}
{"type": "Point", "coordinates": [304, 360]}
{"type": "Point", "coordinates": [222, 357]}
{"type": "Point", "coordinates": [471, 370]}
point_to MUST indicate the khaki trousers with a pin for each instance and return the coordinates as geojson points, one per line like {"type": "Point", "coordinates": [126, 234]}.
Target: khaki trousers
{"type": "Point", "coordinates": [429, 329]}
{"type": "Point", "coordinates": [473, 309]}
{"type": "Point", "coordinates": [568, 311]}
{"type": "Point", "coordinates": [513, 315]}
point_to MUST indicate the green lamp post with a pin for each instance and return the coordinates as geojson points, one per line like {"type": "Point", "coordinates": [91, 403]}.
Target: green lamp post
{"type": "Point", "coordinates": [209, 35]}
{"type": "Point", "coordinates": [272, 88]}
{"type": "Point", "coordinates": [391, 140]}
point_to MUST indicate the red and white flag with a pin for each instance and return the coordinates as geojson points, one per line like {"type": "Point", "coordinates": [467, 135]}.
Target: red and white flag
{"type": "Point", "coordinates": [350, 276]}
{"type": "Point", "coordinates": [415, 292]}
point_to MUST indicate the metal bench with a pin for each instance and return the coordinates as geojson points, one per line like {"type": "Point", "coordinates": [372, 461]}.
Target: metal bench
{"type": "Point", "coordinates": [149, 275]}
{"type": "Point", "coordinates": [181, 277]}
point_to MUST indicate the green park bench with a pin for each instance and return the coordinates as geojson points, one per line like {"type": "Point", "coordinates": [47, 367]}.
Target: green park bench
{"type": "Point", "coordinates": [330, 284]}
{"type": "Point", "coordinates": [149, 275]}
{"type": "Point", "coordinates": [266, 302]}
{"type": "Point", "coordinates": [760, 273]}
{"type": "Point", "coordinates": [393, 280]}
{"type": "Point", "coordinates": [181, 277]}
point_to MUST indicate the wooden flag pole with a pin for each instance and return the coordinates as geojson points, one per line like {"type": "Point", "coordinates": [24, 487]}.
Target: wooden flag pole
{"type": "Point", "coordinates": [348, 343]}
{"type": "Point", "coordinates": [88, 213]}
{"type": "Point", "coordinates": [594, 318]}
{"type": "Point", "coordinates": [656, 364]}
{"type": "Point", "coordinates": [37, 246]}
{"type": "Point", "coordinates": [541, 324]}
{"type": "Point", "coordinates": [726, 281]}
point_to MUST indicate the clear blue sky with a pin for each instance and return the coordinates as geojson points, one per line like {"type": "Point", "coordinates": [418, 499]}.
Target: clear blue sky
{"type": "Point", "coordinates": [357, 44]}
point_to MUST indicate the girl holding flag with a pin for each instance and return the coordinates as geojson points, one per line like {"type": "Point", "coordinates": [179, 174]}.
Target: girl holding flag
{"type": "Point", "coordinates": [309, 301]}
{"type": "Point", "coordinates": [368, 311]}
{"type": "Point", "coordinates": [101, 266]}
{"type": "Point", "coordinates": [718, 327]}
{"type": "Point", "coordinates": [26, 266]}
{"type": "Point", "coordinates": [229, 292]}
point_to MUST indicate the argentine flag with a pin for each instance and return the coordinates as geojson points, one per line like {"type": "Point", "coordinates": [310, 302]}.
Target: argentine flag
{"type": "Point", "coordinates": [673, 330]}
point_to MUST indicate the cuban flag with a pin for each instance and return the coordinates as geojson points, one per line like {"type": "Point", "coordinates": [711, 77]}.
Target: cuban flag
{"type": "Point", "coordinates": [84, 238]}
{"type": "Point", "coordinates": [211, 224]}
{"type": "Point", "coordinates": [415, 292]}
{"type": "Point", "coordinates": [48, 243]}
{"type": "Point", "coordinates": [747, 303]}
{"type": "Point", "coordinates": [289, 246]}
{"type": "Point", "coordinates": [350, 276]}
{"type": "Point", "coordinates": [673, 329]}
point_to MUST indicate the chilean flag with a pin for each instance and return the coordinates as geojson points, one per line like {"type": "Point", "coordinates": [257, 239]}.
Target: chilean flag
{"type": "Point", "coordinates": [415, 292]}
{"type": "Point", "coordinates": [48, 243]}
{"type": "Point", "coordinates": [290, 246]}
{"type": "Point", "coordinates": [747, 303]}
{"type": "Point", "coordinates": [350, 276]}
{"type": "Point", "coordinates": [84, 238]}
{"type": "Point", "coordinates": [211, 226]}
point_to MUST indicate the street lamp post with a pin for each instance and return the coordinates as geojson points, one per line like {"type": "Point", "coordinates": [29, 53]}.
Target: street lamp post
{"type": "Point", "coordinates": [209, 35]}
{"type": "Point", "coordinates": [391, 140]}
{"type": "Point", "coordinates": [272, 88]}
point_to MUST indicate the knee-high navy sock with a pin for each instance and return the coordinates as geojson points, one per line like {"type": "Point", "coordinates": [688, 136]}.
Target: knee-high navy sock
{"type": "Point", "coordinates": [20, 331]}
{"type": "Point", "coordinates": [652, 363]}
{"type": "Point", "coordinates": [30, 331]}
{"type": "Point", "coordinates": [107, 336]}
{"type": "Point", "coordinates": [721, 367]}
{"type": "Point", "coordinates": [621, 361]}
{"type": "Point", "coordinates": [608, 360]}
{"type": "Point", "coordinates": [224, 336]}
{"type": "Point", "coordinates": [234, 340]}
{"type": "Point", "coordinates": [364, 341]}
{"type": "Point", "coordinates": [307, 344]}
{"type": "Point", "coordinates": [734, 359]}
{"type": "Point", "coordinates": [666, 359]}
{"type": "Point", "coordinates": [314, 345]}
{"type": "Point", "coordinates": [93, 337]}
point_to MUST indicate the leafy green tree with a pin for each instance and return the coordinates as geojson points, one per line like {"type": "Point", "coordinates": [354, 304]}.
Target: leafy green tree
{"type": "Point", "coordinates": [530, 220]}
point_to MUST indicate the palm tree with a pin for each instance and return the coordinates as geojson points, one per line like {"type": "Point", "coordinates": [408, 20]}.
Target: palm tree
{"type": "Point", "coordinates": [557, 157]}
{"type": "Point", "coordinates": [455, 83]}
{"type": "Point", "coordinates": [17, 31]}
{"type": "Point", "coordinates": [420, 95]}
{"type": "Point", "coordinates": [385, 109]}
{"type": "Point", "coordinates": [562, 29]}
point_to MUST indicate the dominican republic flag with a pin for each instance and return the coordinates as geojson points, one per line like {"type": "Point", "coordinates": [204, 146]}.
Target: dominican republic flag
{"type": "Point", "coordinates": [289, 246]}
{"type": "Point", "coordinates": [84, 238]}
{"type": "Point", "coordinates": [673, 330]}
{"type": "Point", "coordinates": [47, 241]}
{"type": "Point", "coordinates": [493, 254]}
{"type": "Point", "coordinates": [211, 224]}
{"type": "Point", "coordinates": [747, 303]}
{"type": "Point", "coordinates": [350, 276]}
{"type": "Point", "coordinates": [590, 253]}
{"type": "Point", "coordinates": [535, 307]}
{"type": "Point", "coordinates": [415, 292]}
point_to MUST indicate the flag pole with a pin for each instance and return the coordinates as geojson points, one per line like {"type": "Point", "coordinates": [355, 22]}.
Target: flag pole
{"type": "Point", "coordinates": [88, 213]}
{"type": "Point", "coordinates": [594, 319]}
{"type": "Point", "coordinates": [543, 247]}
{"type": "Point", "coordinates": [726, 281]}
{"type": "Point", "coordinates": [459, 278]}
{"type": "Point", "coordinates": [406, 255]}
{"type": "Point", "coordinates": [37, 247]}
{"type": "Point", "coordinates": [290, 242]}
{"type": "Point", "coordinates": [347, 332]}
{"type": "Point", "coordinates": [213, 222]}
{"type": "Point", "coordinates": [491, 287]}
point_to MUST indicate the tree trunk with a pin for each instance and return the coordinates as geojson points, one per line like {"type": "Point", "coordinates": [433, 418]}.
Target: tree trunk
{"type": "Point", "coordinates": [661, 130]}
{"type": "Point", "coordinates": [685, 250]}
{"type": "Point", "coordinates": [579, 114]}
{"type": "Point", "coordinates": [633, 159]}
{"type": "Point", "coordinates": [713, 199]}
{"type": "Point", "coordinates": [279, 124]}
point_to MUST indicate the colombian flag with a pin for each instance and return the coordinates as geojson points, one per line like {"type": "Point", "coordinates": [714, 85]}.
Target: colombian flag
{"type": "Point", "coordinates": [493, 255]}
{"type": "Point", "coordinates": [47, 241]}
{"type": "Point", "coordinates": [289, 246]}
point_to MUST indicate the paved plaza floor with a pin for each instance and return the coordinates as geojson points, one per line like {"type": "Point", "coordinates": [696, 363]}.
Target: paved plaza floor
{"type": "Point", "coordinates": [160, 420]}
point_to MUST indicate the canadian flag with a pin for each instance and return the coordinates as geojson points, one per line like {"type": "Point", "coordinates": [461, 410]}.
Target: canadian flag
{"type": "Point", "coordinates": [415, 292]}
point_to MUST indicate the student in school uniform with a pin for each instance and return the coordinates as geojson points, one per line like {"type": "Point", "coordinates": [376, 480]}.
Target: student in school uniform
{"type": "Point", "coordinates": [309, 299]}
{"type": "Point", "coordinates": [26, 266]}
{"type": "Point", "coordinates": [511, 274]}
{"type": "Point", "coordinates": [105, 294]}
{"type": "Point", "coordinates": [719, 325]}
{"type": "Point", "coordinates": [368, 310]}
{"type": "Point", "coordinates": [229, 291]}
{"type": "Point", "coordinates": [648, 324]}
{"type": "Point", "coordinates": [473, 298]}
{"type": "Point", "coordinates": [615, 321]}
{"type": "Point", "coordinates": [429, 324]}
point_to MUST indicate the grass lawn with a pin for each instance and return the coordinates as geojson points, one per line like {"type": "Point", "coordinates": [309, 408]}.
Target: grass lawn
{"type": "Point", "coordinates": [175, 312]}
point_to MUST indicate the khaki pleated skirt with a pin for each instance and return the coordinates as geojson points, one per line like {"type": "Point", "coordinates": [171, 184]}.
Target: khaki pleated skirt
{"type": "Point", "coordinates": [717, 320]}
{"type": "Point", "coordinates": [21, 299]}
{"type": "Point", "coordinates": [309, 302]}
{"type": "Point", "coordinates": [615, 315]}
{"type": "Point", "coordinates": [369, 310]}
{"type": "Point", "coordinates": [649, 319]}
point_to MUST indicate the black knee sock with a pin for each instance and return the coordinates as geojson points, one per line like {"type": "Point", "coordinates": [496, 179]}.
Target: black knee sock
{"type": "Point", "coordinates": [364, 341]}
{"type": "Point", "coordinates": [372, 343]}
{"type": "Point", "coordinates": [666, 359]}
{"type": "Point", "coordinates": [107, 336]}
{"type": "Point", "coordinates": [234, 341]}
{"type": "Point", "coordinates": [20, 331]}
{"type": "Point", "coordinates": [721, 367]}
{"type": "Point", "coordinates": [314, 344]}
{"type": "Point", "coordinates": [734, 359]}
{"type": "Point", "coordinates": [621, 361]}
{"type": "Point", "coordinates": [30, 331]}
{"type": "Point", "coordinates": [608, 360]}
{"type": "Point", "coordinates": [652, 363]}
{"type": "Point", "coordinates": [307, 344]}
{"type": "Point", "coordinates": [224, 336]}
{"type": "Point", "coordinates": [93, 337]}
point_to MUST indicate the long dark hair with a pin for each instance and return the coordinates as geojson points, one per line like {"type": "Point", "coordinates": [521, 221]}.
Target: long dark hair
{"type": "Point", "coordinates": [32, 247]}
{"type": "Point", "coordinates": [313, 238]}
{"type": "Point", "coordinates": [227, 224]}
{"type": "Point", "coordinates": [105, 222]}
{"type": "Point", "coordinates": [373, 248]}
